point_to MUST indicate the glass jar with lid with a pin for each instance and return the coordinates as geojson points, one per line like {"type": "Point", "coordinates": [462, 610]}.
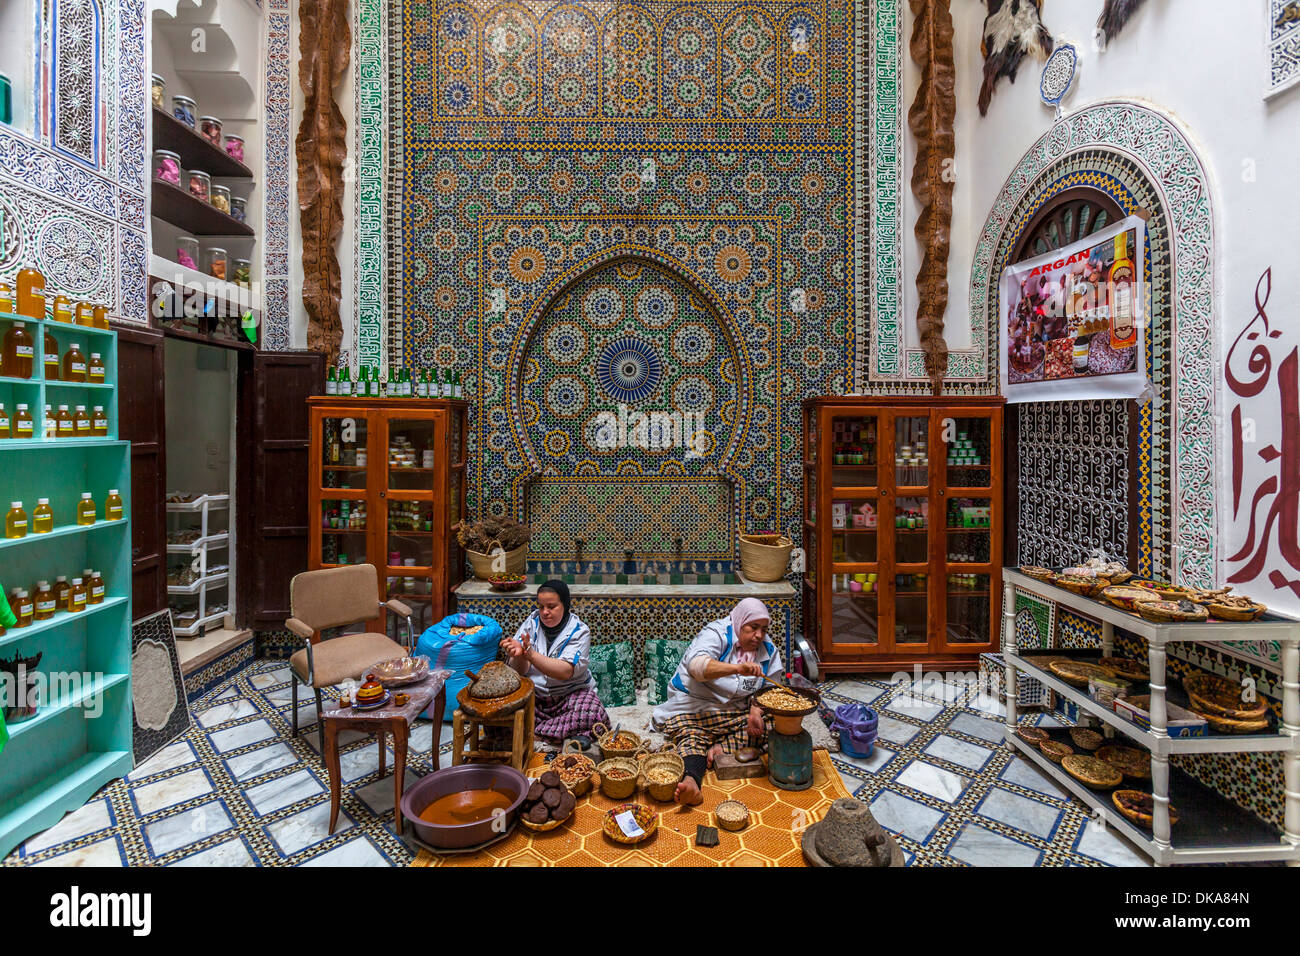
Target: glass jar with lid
{"type": "Point", "coordinates": [158, 91]}
{"type": "Point", "coordinates": [215, 262]}
{"type": "Point", "coordinates": [235, 147]}
{"type": "Point", "coordinates": [239, 208]}
{"type": "Point", "coordinates": [184, 109]}
{"type": "Point", "coordinates": [221, 198]}
{"type": "Point", "coordinates": [187, 252]}
{"type": "Point", "coordinates": [242, 274]}
{"type": "Point", "coordinates": [200, 184]}
{"type": "Point", "coordinates": [167, 166]}
{"type": "Point", "coordinates": [210, 127]}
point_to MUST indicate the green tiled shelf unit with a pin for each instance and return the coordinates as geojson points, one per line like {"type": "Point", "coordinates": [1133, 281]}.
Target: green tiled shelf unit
{"type": "Point", "coordinates": [80, 737]}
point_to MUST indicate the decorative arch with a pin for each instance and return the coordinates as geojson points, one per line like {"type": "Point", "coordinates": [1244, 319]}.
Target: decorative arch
{"type": "Point", "coordinates": [558, 290]}
{"type": "Point", "coordinates": [570, 52]}
{"type": "Point", "coordinates": [1138, 152]}
{"type": "Point", "coordinates": [749, 65]}
{"type": "Point", "coordinates": [800, 41]}
{"type": "Point", "coordinates": [629, 71]}
{"type": "Point", "coordinates": [690, 82]}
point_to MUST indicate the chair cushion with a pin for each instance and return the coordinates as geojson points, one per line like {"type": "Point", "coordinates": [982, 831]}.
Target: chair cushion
{"type": "Point", "coordinates": [346, 657]}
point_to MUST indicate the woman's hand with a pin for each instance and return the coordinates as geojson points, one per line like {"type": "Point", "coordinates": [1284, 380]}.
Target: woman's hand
{"type": "Point", "coordinates": [748, 669]}
{"type": "Point", "coordinates": [515, 649]}
{"type": "Point", "coordinates": [756, 728]}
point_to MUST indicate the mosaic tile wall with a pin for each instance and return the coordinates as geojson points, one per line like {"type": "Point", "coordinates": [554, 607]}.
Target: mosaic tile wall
{"type": "Point", "coordinates": [72, 195]}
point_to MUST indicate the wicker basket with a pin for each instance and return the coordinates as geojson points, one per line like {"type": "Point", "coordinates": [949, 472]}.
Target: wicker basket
{"type": "Point", "coordinates": [605, 741]}
{"type": "Point", "coordinates": [1138, 807]}
{"type": "Point", "coordinates": [1170, 612]}
{"type": "Point", "coordinates": [764, 557]}
{"type": "Point", "coordinates": [1077, 673]}
{"type": "Point", "coordinates": [618, 789]}
{"type": "Point", "coordinates": [581, 784]}
{"type": "Point", "coordinates": [1055, 750]}
{"type": "Point", "coordinates": [1126, 668]}
{"type": "Point", "coordinates": [669, 760]}
{"type": "Point", "coordinates": [1131, 762]}
{"type": "Point", "coordinates": [1235, 612]}
{"type": "Point", "coordinates": [1092, 772]}
{"type": "Point", "coordinates": [482, 563]}
{"type": "Point", "coordinates": [1034, 736]}
{"type": "Point", "coordinates": [1080, 584]}
{"type": "Point", "coordinates": [1086, 738]}
{"type": "Point", "coordinates": [1216, 695]}
{"type": "Point", "coordinates": [731, 815]}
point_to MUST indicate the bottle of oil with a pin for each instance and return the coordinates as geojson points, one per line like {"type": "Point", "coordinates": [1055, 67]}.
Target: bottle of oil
{"type": "Point", "coordinates": [16, 521]}
{"type": "Point", "coordinates": [95, 371]}
{"type": "Point", "coordinates": [51, 423]}
{"type": "Point", "coordinates": [19, 352]}
{"type": "Point", "coordinates": [86, 509]}
{"type": "Point", "coordinates": [94, 588]}
{"type": "Point", "coordinates": [4, 421]}
{"type": "Point", "coordinates": [23, 608]}
{"type": "Point", "coordinates": [74, 365]}
{"type": "Point", "coordinates": [76, 596]}
{"type": "Point", "coordinates": [42, 517]}
{"type": "Point", "coordinates": [52, 362]}
{"type": "Point", "coordinates": [61, 588]}
{"type": "Point", "coordinates": [64, 425]}
{"type": "Point", "coordinates": [62, 311]}
{"type": "Point", "coordinates": [6, 297]}
{"type": "Point", "coordinates": [81, 423]}
{"type": "Point", "coordinates": [113, 506]}
{"type": "Point", "coordinates": [22, 425]}
{"type": "Point", "coordinates": [85, 314]}
{"type": "Point", "coordinates": [45, 604]}
{"type": "Point", "coordinates": [99, 423]}
{"type": "Point", "coordinates": [101, 317]}
{"type": "Point", "coordinates": [31, 293]}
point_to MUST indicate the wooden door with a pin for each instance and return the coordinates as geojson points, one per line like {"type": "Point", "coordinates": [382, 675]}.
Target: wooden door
{"type": "Point", "coordinates": [275, 435]}
{"type": "Point", "coordinates": [142, 420]}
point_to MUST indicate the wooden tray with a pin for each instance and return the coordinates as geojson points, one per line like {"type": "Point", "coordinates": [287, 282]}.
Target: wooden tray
{"type": "Point", "coordinates": [1132, 763]}
{"type": "Point", "coordinates": [1077, 673]}
{"type": "Point", "coordinates": [1137, 806]}
{"type": "Point", "coordinates": [1092, 772]}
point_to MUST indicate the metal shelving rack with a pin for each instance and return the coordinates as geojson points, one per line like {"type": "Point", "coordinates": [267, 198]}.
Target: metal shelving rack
{"type": "Point", "coordinates": [207, 541]}
{"type": "Point", "coordinates": [1211, 829]}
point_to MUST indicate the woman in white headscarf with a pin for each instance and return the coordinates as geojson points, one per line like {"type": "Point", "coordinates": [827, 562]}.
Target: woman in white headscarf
{"type": "Point", "coordinates": [708, 711]}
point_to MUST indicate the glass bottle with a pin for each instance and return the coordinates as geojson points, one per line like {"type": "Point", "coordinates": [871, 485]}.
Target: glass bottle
{"type": "Point", "coordinates": [23, 607]}
{"type": "Point", "coordinates": [31, 293]}
{"type": "Point", "coordinates": [345, 382]}
{"type": "Point", "coordinates": [44, 603]}
{"type": "Point", "coordinates": [62, 311]}
{"type": "Point", "coordinates": [74, 364]}
{"type": "Point", "coordinates": [61, 588]}
{"type": "Point", "coordinates": [16, 521]}
{"type": "Point", "coordinates": [457, 389]}
{"type": "Point", "coordinates": [81, 422]}
{"type": "Point", "coordinates": [95, 371]}
{"type": "Point", "coordinates": [65, 426]}
{"type": "Point", "coordinates": [4, 421]}
{"type": "Point", "coordinates": [76, 596]}
{"type": "Point", "coordinates": [332, 382]}
{"type": "Point", "coordinates": [51, 357]}
{"type": "Point", "coordinates": [85, 314]}
{"type": "Point", "coordinates": [86, 509]}
{"type": "Point", "coordinates": [19, 352]}
{"type": "Point", "coordinates": [95, 588]}
{"type": "Point", "coordinates": [113, 506]}
{"type": "Point", "coordinates": [101, 317]}
{"type": "Point", "coordinates": [22, 425]}
{"type": "Point", "coordinates": [51, 424]}
{"type": "Point", "coordinates": [6, 297]}
{"type": "Point", "coordinates": [99, 423]}
{"type": "Point", "coordinates": [42, 517]}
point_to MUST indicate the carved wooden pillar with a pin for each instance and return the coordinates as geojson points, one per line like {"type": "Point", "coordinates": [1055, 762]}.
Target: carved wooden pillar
{"type": "Point", "coordinates": [930, 119]}
{"type": "Point", "coordinates": [324, 46]}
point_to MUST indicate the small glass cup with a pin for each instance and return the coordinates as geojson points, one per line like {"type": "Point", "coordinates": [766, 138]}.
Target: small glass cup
{"type": "Point", "coordinates": [167, 166]}
{"type": "Point", "coordinates": [235, 147]}
{"type": "Point", "coordinates": [158, 91]}
{"type": "Point", "coordinates": [200, 184]}
{"type": "Point", "coordinates": [187, 252]}
{"type": "Point", "coordinates": [221, 198]}
{"type": "Point", "coordinates": [210, 127]}
{"type": "Point", "coordinates": [184, 109]}
{"type": "Point", "coordinates": [215, 262]}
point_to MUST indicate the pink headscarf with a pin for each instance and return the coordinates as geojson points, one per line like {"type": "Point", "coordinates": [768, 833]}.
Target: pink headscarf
{"type": "Point", "coordinates": [749, 609]}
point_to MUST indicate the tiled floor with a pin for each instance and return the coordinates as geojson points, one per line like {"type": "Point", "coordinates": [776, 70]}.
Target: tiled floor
{"type": "Point", "coordinates": [237, 791]}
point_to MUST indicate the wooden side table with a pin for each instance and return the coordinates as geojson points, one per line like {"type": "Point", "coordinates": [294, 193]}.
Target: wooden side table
{"type": "Point", "coordinates": [381, 722]}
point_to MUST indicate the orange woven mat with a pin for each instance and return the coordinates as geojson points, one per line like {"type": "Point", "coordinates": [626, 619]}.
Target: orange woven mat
{"type": "Point", "coordinates": [776, 820]}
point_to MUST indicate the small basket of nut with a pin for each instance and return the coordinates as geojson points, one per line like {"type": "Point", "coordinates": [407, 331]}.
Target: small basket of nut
{"type": "Point", "coordinates": [663, 772]}
{"type": "Point", "coordinates": [616, 743]}
{"type": "Point", "coordinates": [618, 777]}
{"type": "Point", "coordinates": [575, 768]}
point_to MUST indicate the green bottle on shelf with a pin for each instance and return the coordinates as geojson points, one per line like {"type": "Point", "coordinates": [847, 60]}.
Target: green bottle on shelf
{"type": "Point", "coordinates": [332, 382]}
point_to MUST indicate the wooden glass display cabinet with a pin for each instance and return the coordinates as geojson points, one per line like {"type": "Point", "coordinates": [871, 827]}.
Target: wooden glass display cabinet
{"type": "Point", "coordinates": [387, 486]}
{"type": "Point", "coordinates": [902, 531]}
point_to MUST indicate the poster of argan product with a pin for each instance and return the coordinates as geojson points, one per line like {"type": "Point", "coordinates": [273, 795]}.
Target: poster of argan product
{"type": "Point", "coordinates": [1073, 319]}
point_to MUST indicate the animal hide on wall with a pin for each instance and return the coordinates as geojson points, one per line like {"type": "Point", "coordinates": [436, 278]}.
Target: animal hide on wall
{"type": "Point", "coordinates": [325, 47]}
{"type": "Point", "coordinates": [1011, 29]}
{"type": "Point", "coordinates": [931, 122]}
{"type": "Point", "coordinates": [1115, 14]}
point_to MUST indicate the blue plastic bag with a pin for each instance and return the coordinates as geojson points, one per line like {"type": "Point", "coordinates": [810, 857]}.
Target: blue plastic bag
{"type": "Point", "coordinates": [459, 652]}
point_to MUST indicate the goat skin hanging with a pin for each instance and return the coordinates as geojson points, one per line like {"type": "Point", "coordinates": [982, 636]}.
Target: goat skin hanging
{"type": "Point", "coordinates": [1115, 14]}
{"type": "Point", "coordinates": [1011, 29]}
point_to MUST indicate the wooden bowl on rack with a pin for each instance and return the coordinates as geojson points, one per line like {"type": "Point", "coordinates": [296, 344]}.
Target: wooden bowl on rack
{"type": "Point", "coordinates": [1081, 584]}
{"type": "Point", "coordinates": [1036, 572]}
{"type": "Point", "coordinates": [1172, 612]}
{"type": "Point", "coordinates": [1127, 598]}
{"type": "Point", "coordinates": [1131, 762]}
{"type": "Point", "coordinates": [1077, 673]}
{"type": "Point", "coordinates": [1138, 806]}
{"type": "Point", "coordinates": [1221, 697]}
{"type": "Point", "coordinates": [1237, 609]}
{"type": "Point", "coordinates": [1126, 668]}
{"type": "Point", "coordinates": [1092, 772]}
{"type": "Point", "coordinates": [1032, 735]}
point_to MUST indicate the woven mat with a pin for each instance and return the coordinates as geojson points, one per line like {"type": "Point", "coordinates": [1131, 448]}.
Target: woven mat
{"type": "Point", "coordinates": [776, 816]}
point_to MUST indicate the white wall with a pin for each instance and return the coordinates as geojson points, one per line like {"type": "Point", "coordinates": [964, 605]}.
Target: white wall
{"type": "Point", "coordinates": [1203, 64]}
{"type": "Point", "coordinates": [18, 45]}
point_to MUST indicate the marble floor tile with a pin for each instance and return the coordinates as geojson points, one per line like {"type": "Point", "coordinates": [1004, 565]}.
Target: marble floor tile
{"type": "Point", "coordinates": [896, 731]}
{"type": "Point", "coordinates": [421, 739]}
{"type": "Point", "coordinates": [973, 726]}
{"type": "Point", "coordinates": [231, 853]}
{"type": "Point", "coordinates": [1020, 812]}
{"type": "Point", "coordinates": [873, 764]}
{"type": "Point", "coordinates": [1102, 844]}
{"type": "Point", "coordinates": [961, 752]}
{"type": "Point", "coordinates": [238, 708]}
{"type": "Point", "coordinates": [939, 783]}
{"type": "Point", "coordinates": [901, 814]}
{"type": "Point", "coordinates": [174, 832]}
{"type": "Point", "coordinates": [226, 694]}
{"type": "Point", "coordinates": [241, 735]}
{"type": "Point", "coordinates": [281, 792]}
{"type": "Point", "coordinates": [1022, 772]}
{"type": "Point", "coordinates": [170, 757]}
{"type": "Point", "coordinates": [358, 852]}
{"type": "Point", "coordinates": [283, 696]}
{"type": "Point", "coordinates": [364, 761]}
{"type": "Point", "coordinates": [93, 817]}
{"type": "Point", "coordinates": [107, 852]}
{"type": "Point", "coordinates": [378, 794]}
{"type": "Point", "coordinates": [858, 690]}
{"type": "Point", "coordinates": [980, 847]}
{"type": "Point", "coordinates": [303, 830]}
{"type": "Point", "coordinates": [918, 708]}
{"type": "Point", "coordinates": [851, 783]}
{"type": "Point", "coordinates": [151, 797]}
{"type": "Point", "coordinates": [278, 675]}
{"type": "Point", "coordinates": [346, 738]}
{"type": "Point", "coordinates": [988, 704]}
{"type": "Point", "coordinates": [262, 760]}
{"type": "Point", "coordinates": [1050, 720]}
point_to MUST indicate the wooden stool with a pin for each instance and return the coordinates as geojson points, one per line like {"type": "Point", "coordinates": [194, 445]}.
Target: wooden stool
{"type": "Point", "coordinates": [514, 713]}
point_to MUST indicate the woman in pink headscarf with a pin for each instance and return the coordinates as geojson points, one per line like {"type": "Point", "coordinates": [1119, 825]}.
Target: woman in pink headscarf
{"type": "Point", "coordinates": [708, 711]}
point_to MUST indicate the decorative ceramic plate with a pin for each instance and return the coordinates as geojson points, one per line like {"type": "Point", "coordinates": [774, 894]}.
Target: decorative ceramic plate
{"type": "Point", "coordinates": [374, 706]}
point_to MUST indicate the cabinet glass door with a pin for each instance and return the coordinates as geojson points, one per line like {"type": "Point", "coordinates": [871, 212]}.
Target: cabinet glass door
{"type": "Point", "coordinates": [854, 451]}
{"type": "Point", "coordinates": [968, 451]}
{"type": "Point", "coordinates": [344, 531]}
{"type": "Point", "coordinates": [411, 540]}
{"type": "Point", "coordinates": [344, 452]}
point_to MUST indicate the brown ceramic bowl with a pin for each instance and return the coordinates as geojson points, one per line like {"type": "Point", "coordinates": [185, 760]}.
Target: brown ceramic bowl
{"type": "Point", "coordinates": [454, 780]}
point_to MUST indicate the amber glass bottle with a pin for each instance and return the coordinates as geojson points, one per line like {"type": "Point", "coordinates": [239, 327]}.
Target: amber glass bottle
{"type": "Point", "coordinates": [61, 588]}
{"type": "Point", "coordinates": [94, 588]}
{"type": "Point", "coordinates": [113, 506]}
{"type": "Point", "coordinates": [52, 363]}
{"type": "Point", "coordinates": [42, 517]}
{"type": "Point", "coordinates": [95, 371]}
{"type": "Point", "coordinates": [99, 423]}
{"type": "Point", "coordinates": [74, 365]}
{"type": "Point", "coordinates": [21, 425]}
{"type": "Point", "coordinates": [45, 604]}
{"type": "Point", "coordinates": [76, 596]}
{"type": "Point", "coordinates": [81, 424]}
{"type": "Point", "coordinates": [86, 509]}
{"type": "Point", "coordinates": [31, 293]}
{"type": "Point", "coordinates": [16, 521]}
{"type": "Point", "coordinates": [64, 426]}
{"type": "Point", "coordinates": [19, 352]}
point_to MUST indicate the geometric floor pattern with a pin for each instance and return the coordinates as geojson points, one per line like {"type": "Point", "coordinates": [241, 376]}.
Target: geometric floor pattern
{"type": "Point", "coordinates": [236, 790]}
